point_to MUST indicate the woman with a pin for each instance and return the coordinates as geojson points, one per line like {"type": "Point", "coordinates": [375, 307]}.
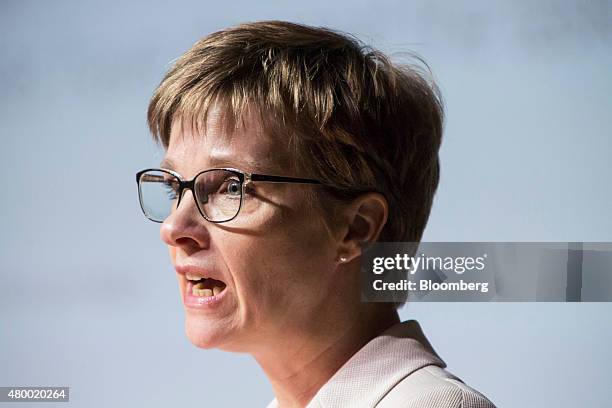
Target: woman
{"type": "Point", "coordinates": [288, 148]}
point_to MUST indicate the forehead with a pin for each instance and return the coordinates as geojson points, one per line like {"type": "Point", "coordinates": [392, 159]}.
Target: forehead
{"type": "Point", "coordinates": [248, 147]}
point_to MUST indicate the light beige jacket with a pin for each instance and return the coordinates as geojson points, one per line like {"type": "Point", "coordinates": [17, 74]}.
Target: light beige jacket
{"type": "Point", "coordinates": [398, 369]}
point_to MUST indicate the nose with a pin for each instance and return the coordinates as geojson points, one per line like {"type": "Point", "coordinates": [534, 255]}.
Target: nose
{"type": "Point", "coordinates": [185, 227]}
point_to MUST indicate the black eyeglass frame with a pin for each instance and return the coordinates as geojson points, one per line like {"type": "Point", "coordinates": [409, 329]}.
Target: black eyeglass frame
{"type": "Point", "coordinates": [244, 177]}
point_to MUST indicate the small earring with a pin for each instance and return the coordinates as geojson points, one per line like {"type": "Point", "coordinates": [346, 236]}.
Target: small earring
{"type": "Point", "coordinates": [343, 259]}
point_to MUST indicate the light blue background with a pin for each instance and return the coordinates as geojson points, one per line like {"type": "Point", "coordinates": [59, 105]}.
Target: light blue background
{"type": "Point", "coordinates": [88, 296]}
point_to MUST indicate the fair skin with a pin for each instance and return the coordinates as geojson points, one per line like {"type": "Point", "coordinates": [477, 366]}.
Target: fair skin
{"type": "Point", "coordinates": [289, 301]}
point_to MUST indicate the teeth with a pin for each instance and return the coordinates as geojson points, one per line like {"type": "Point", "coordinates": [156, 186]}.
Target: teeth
{"type": "Point", "coordinates": [200, 290]}
{"type": "Point", "coordinates": [197, 289]}
{"type": "Point", "coordinates": [216, 290]}
{"type": "Point", "coordinates": [193, 277]}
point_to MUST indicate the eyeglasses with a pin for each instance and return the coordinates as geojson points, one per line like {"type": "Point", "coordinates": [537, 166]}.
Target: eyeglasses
{"type": "Point", "coordinates": [218, 193]}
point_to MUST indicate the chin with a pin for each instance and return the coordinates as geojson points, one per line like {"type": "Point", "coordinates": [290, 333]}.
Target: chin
{"type": "Point", "coordinates": [204, 334]}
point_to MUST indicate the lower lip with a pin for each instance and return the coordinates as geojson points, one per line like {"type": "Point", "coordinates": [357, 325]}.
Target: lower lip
{"type": "Point", "coordinates": [202, 302]}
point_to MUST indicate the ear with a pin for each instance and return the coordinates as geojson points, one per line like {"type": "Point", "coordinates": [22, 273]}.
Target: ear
{"type": "Point", "coordinates": [365, 218]}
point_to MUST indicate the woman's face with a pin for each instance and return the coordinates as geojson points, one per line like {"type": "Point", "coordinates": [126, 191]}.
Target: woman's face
{"type": "Point", "coordinates": [276, 258]}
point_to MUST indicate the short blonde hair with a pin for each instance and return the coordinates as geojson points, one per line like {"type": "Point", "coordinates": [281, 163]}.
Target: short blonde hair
{"type": "Point", "coordinates": [353, 119]}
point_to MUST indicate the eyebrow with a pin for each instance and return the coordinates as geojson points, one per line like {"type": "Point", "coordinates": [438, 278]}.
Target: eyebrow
{"type": "Point", "coordinates": [167, 164]}
{"type": "Point", "coordinates": [252, 166]}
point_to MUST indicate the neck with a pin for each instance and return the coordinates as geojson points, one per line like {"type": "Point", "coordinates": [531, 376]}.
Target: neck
{"type": "Point", "coordinates": [300, 362]}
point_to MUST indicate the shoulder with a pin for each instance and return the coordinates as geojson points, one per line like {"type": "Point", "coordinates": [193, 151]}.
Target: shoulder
{"type": "Point", "coordinates": [433, 386]}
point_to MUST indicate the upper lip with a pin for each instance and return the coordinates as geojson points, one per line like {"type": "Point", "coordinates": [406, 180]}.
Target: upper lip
{"type": "Point", "coordinates": [197, 270]}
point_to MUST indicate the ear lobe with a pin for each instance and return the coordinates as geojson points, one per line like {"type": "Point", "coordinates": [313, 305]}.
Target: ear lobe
{"type": "Point", "coordinates": [367, 217]}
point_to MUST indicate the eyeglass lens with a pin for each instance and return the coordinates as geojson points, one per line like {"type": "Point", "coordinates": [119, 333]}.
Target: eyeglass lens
{"type": "Point", "coordinates": [218, 194]}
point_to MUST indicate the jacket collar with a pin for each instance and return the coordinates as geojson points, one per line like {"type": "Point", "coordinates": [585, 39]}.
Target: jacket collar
{"type": "Point", "coordinates": [376, 368]}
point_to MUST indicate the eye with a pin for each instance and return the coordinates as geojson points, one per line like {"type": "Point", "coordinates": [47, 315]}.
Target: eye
{"type": "Point", "coordinates": [232, 187]}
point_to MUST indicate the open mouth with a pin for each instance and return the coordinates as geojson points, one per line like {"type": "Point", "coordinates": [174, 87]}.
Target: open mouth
{"type": "Point", "coordinates": [204, 287]}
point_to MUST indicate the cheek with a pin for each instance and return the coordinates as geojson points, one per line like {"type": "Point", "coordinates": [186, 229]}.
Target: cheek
{"type": "Point", "coordinates": [284, 268]}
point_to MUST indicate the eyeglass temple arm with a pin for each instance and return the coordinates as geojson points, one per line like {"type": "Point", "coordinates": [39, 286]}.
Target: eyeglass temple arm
{"type": "Point", "coordinates": [282, 179]}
